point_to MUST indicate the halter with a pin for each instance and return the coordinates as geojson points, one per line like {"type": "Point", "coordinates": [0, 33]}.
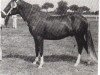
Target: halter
{"type": "Point", "coordinates": [4, 12]}
{"type": "Point", "coordinates": [14, 6]}
{"type": "Point", "coordinates": [15, 2]}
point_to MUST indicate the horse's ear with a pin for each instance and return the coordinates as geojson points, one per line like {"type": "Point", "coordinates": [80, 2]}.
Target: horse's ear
{"type": "Point", "coordinates": [17, 0]}
{"type": "Point", "coordinates": [13, 4]}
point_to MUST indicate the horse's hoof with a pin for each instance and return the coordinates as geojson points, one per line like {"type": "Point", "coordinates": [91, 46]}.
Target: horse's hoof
{"type": "Point", "coordinates": [88, 62]}
{"type": "Point", "coordinates": [39, 67]}
{"type": "Point", "coordinates": [34, 63]}
{"type": "Point", "coordinates": [75, 65]}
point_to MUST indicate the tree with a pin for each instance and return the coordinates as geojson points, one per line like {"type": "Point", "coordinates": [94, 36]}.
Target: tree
{"type": "Point", "coordinates": [83, 9]}
{"type": "Point", "coordinates": [92, 13]}
{"type": "Point", "coordinates": [74, 7]}
{"type": "Point", "coordinates": [97, 12]}
{"type": "Point", "coordinates": [36, 7]}
{"type": "Point", "coordinates": [62, 7]}
{"type": "Point", "coordinates": [47, 5]}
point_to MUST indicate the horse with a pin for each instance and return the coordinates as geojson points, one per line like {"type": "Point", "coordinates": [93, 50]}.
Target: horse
{"type": "Point", "coordinates": [41, 29]}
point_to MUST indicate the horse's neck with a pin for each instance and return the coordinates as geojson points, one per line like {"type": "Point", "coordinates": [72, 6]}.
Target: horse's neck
{"type": "Point", "coordinates": [25, 9]}
{"type": "Point", "coordinates": [29, 14]}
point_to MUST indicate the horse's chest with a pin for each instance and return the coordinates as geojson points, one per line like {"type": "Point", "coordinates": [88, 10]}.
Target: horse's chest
{"type": "Point", "coordinates": [36, 29]}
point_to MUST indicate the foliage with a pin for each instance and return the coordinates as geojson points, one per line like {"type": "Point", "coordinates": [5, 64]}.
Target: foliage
{"type": "Point", "coordinates": [83, 8]}
{"type": "Point", "coordinates": [47, 5]}
{"type": "Point", "coordinates": [97, 12]}
{"type": "Point", "coordinates": [74, 7]}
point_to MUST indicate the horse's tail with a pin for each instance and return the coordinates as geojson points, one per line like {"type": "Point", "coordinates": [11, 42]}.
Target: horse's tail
{"type": "Point", "coordinates": [90, 44]}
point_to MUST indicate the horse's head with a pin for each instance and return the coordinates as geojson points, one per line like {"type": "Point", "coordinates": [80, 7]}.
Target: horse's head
{"type": "Point", "coordinates": [11, 8]}
{"type": "Point", "coordinates": [14, 7]}
{"type": "Point", "coordinates": [20, 7]}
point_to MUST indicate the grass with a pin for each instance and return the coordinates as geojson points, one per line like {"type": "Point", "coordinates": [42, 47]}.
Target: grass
{"type": "Point", "coordinates": [60, 55]}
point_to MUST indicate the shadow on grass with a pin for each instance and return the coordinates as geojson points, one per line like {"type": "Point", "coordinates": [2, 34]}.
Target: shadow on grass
{"type": "Point", "coordinates": [49, 58]}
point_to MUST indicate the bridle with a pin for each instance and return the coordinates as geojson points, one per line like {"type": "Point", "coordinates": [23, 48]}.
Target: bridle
{"type": "Point", "coordinates": [12, 7]}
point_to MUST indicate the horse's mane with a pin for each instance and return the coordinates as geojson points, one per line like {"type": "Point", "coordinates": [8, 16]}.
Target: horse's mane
{"type": "Point", "coordinates": [34, 7]}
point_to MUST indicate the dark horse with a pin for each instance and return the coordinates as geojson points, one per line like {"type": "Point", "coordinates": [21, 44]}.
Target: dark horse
{"type": "Point", "coordinates": [42, 29]}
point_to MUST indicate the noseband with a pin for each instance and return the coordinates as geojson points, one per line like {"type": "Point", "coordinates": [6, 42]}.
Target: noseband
{"type": "Point", "coordinates": [6, 14]}
{"type": "Point", "coordinates": [3, 12]}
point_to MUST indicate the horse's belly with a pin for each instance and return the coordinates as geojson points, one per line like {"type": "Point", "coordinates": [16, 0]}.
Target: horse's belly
{"type": "Point", "coordinates": [56, 34]}
{"type": "Point", "coordinates": [54, 38]}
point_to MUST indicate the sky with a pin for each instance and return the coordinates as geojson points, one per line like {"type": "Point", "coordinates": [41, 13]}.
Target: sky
{"type": "Point", "coordinates": [92, 4]}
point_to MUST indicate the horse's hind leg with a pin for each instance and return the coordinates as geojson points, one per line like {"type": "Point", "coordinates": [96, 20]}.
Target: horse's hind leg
{"type": "Point", "coordinates": [86, 48]}
{"type": "Point", "coordinates": [79, 41]}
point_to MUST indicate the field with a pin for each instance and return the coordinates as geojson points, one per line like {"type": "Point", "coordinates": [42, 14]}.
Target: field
{"type": "Point", "coordinates": [59, 56]}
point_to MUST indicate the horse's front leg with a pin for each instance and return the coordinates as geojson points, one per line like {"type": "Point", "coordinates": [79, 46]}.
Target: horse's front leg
{"type": "Point", "coordinates": [39, 49]}
{"type": "Point", "coordinates": [36, 51]}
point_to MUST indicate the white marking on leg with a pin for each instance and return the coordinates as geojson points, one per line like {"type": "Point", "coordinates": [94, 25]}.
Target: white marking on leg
{"type": "Point", "coordinates": [78, 60]}
{"type": "Point", "coordinates": [36, 60]}
{"type": "Point", "coordinates": [41, 62]}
